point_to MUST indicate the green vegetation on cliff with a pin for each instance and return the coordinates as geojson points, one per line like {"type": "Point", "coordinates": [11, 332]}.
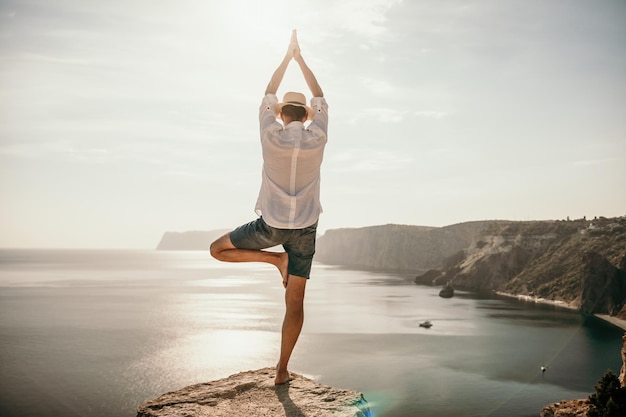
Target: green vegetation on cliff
{"type": "Point", "coordinates": [609, 400]}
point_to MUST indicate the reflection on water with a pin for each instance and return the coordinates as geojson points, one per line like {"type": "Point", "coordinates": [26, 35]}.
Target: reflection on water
{"type": "Point", "coordinates": [98, 332]}
{"type": "Point", "coordinates": [209, 355]}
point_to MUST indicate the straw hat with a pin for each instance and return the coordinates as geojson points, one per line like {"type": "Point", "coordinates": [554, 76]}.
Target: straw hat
{"type": "Point", "coordinates": [294, 99]}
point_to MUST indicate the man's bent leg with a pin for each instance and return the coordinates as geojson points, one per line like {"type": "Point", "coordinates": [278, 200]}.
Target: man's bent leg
{"type": "Point", "coordinates": [224, 250]}
{"type": "Point", "coordinates": [292, 325]}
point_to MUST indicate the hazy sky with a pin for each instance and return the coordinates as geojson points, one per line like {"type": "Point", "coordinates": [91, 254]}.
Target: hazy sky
{"type": "Point", "coordinates": [120, 120]}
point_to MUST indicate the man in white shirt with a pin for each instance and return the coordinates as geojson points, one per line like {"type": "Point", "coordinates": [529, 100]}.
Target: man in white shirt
{"type": "Point", "coordinates": [288, 202]}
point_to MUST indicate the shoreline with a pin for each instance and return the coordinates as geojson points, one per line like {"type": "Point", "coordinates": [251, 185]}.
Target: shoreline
{"type": "Point", "coordinates": [615, 321]}
{"type": "Point", "coordinates": [538, 300]}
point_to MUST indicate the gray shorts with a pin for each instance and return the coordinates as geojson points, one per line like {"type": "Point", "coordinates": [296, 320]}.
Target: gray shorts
{"type": "Point", "coordinates": [298, 243]}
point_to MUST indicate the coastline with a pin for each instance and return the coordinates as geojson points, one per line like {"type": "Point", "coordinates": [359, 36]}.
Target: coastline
{"type": "Point", "coordinates": [615, 321]}
{"type": "Point", "coordinates": [538, 300]}
{"type": "Point", "coordinates": [621, 323]}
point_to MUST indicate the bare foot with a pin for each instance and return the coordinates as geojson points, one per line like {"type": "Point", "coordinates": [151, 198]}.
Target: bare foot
{"type": "Point", "coordinates": [282, 377]}
{"type": "Point", "coordinates": [283, 267]}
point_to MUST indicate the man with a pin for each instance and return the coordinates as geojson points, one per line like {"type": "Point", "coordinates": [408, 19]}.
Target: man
{"type": "Point", "coordinates": [288, 202]}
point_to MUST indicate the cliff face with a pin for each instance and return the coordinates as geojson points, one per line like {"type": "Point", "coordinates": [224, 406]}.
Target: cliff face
{"type": "Point", "coordinates": [253, 393]}
{"type": "Point", "coordinates": [561, 261]}
{"type": "Point", "coordinates": [582, 263]}
{"type": "Point", "coordinates": [603, 286]}
{"type": "Point", "coordinates": [396, 247]}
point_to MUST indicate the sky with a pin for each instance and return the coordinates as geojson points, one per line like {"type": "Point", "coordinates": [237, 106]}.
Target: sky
{"type": "Point", "coordinates": [123, 119]}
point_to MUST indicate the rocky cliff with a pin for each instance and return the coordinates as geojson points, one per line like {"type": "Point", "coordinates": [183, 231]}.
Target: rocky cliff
{"type": "Point", "coordinates": [580, 263]}
{"type": "Point", "coordinates": [396, 247]}
{"type": "Point", "coordinates": [603, 284]}
{"type": "Point", "coordinates": [253, 393]}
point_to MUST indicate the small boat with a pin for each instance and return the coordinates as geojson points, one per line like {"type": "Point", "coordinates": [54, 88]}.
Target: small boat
{"type": "Point", "coordinates": [426, 324]}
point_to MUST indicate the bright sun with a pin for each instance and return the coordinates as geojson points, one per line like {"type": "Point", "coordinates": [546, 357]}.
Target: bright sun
{"type": "Point", "coordinates": [266, 26]}
{"type": "Point", "coordinates": [260, 21]}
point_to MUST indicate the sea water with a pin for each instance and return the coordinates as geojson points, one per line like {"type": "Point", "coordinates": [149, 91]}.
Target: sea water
{"type": "Point", "coordinates": [97, 333]}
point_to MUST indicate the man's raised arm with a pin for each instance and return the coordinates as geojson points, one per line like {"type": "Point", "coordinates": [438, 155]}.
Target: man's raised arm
{"type": "Point", "coordinates": [310, 79]}
{"type": "Point", "coordinates": [278, 75]}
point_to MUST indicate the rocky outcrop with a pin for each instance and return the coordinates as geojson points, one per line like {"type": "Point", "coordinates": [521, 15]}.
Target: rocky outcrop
{"type": "Point", "coordinates": [253, 393]}
{"type": "Point", "coordinates": [570, 408]}
{"type": "Point", "coordinates": [447, 291]}
{"type": "Point", "coordinates": [192, 240]}
{"type": "Point", "coordinates": [430, 277]}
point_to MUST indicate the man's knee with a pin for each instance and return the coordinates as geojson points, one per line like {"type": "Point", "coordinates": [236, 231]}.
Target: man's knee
{"type": "Point", "coordinates": [294, 297]}
{"type": "Point", "coordinates": [214, 250]}
{"type": "Point", "coordinates": [219, 245]}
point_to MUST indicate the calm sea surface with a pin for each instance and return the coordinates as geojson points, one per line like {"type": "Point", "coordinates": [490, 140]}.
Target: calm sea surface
{"type": "Point", "coordinates": [97, 333]}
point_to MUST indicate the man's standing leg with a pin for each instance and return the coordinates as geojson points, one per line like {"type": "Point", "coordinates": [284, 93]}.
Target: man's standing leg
{"type": "Point", "coordinates": [292, 325]}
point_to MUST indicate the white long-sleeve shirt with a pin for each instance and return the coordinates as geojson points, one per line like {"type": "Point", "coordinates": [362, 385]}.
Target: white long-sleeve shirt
{"type": "Point", "coordinates": [289, 197]}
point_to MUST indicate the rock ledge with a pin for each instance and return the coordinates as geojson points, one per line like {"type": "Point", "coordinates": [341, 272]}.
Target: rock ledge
{"type": "Point", "coordinates": [568, 408]}
{"type": "Point", "coordinates": [253, 393]}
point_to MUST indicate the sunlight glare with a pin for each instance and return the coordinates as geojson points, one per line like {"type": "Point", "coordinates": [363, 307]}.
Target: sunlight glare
{"type": "Point", "coordinates": [214, 354]}
{"type": "Point", "coordinates": [263, 30]}
{"type": "Point", "coordinates": [266, 22]}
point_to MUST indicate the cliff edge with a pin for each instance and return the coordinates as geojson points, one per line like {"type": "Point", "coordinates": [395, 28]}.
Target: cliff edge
{"type": "Point", "coordinates": [253, 393]}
